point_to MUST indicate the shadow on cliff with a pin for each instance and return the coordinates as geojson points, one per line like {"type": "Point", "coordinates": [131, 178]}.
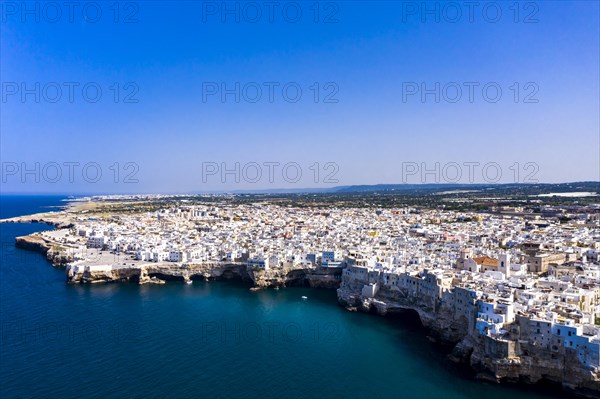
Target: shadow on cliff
{"type": "Point", "coordinates": [166, 277]}
{"type": "Point", "coordinates": [405, 319]}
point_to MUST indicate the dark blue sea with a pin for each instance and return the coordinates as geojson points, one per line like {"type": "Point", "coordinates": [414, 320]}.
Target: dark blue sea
{"type": "Point", "coordinates": [202, 340]}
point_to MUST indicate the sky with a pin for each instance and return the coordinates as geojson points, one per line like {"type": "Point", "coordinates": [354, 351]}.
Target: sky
{"type": "Point", "coordinates": [203, 96]}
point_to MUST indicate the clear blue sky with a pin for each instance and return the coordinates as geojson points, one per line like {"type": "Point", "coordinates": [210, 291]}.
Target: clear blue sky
{"type": "Point", "coordinates": [365, 55]}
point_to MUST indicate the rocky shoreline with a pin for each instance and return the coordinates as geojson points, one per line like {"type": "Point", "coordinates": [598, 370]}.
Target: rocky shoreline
{"type": "Point", "coordinates": [491, 360]}
{"type": "Point", "coordinates": [159, 273]}
{"type": "Point", "coordinates": [319, 277]}
{"type": "Point", "coordinates": [511, 362]}
{"type": "Point", "coordinates": [54, 252]}
{"type": "Point", "coordinates": [59, 219]}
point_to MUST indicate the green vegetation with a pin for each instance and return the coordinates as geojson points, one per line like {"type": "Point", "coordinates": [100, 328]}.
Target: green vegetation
{"type": "Point", "coordinates": [473, 198]}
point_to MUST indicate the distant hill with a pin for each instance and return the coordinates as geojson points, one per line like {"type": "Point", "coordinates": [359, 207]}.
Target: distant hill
{"type": "Point", "coordinates": [408, 189]}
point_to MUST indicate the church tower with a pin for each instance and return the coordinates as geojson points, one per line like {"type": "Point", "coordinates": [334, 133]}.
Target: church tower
{"type": "Point", "coordinates": [504, 264]}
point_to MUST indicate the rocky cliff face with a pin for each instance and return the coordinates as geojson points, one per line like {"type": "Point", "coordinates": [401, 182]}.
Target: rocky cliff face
{"type": "Point", "coordinates": [158, 273]}
{"type": "Point", "coordinates": [54, 252]}
{"type": "Point", "coordinates": [521, 362]}
{"type": "Point", "coordinates": [494, 360]}
{"type": "Point", "coordinates": [148, 273]}
{"type": "Point", "coordinates": [323, 277]}
{"type": "Point", "coordinates": [438, 320]}
{"type": "Point", "coordinates": [320, 277]}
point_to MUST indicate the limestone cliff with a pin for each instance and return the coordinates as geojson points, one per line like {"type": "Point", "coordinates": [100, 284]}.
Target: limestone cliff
{"type": "Point", "coordinates": [149, 273]}
{"type": "Point", "coordinates": [313, 277]}
{"type": "Point", "coordinates": [518, 360]}
{"type": "Point", "coordinates": [435, 317]}
{"type": "Point", "coordinates": [319, 277]}
{"type": "Point", "coordinates": [510, 360]}
{"type": "Point", "coordinates": [56, 254]}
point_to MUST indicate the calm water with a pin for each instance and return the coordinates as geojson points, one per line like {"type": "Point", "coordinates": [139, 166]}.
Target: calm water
{"type": "Point", "coordinates": [202, 340]}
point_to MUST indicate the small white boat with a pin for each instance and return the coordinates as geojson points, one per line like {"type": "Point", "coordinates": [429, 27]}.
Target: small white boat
{"type": "Point", "coordinates": [189, 282]}
{"type": "Point", "coordinates": [304, 298]}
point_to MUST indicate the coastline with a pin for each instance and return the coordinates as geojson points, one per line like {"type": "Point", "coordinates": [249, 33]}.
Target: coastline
{"type": "Point", "coordinates": [487, 359]}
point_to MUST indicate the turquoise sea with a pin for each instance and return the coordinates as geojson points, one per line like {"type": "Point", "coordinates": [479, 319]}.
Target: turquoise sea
{"type": "Point", "coordinates": [202, 340]}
